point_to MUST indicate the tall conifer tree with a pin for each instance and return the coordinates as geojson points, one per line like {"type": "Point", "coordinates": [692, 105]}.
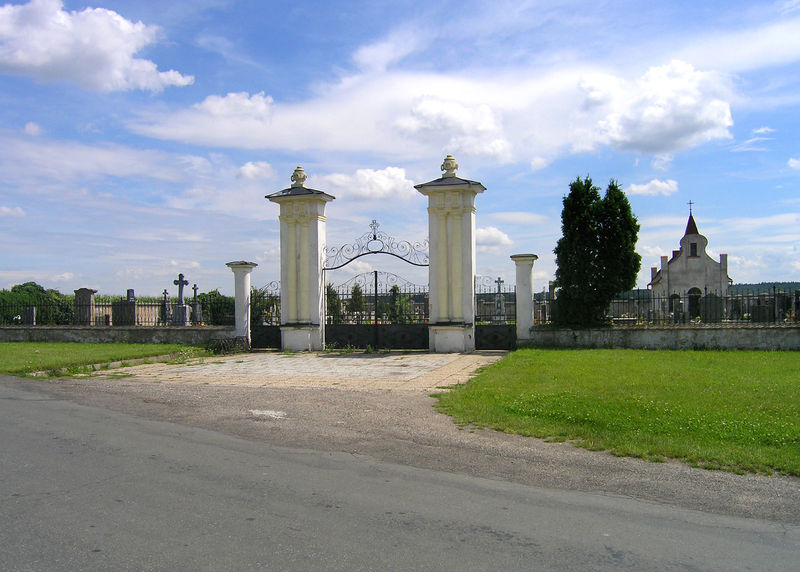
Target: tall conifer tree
{"type": "Point", "coordinates": [595, 257]}
{"type": "Point", "coordinates": [617, 258]}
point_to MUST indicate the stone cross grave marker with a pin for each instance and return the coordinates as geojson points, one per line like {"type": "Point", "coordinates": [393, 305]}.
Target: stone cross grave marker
{"type": "Point", "coordinates": [499, 300]}
{"type": "Point", "coordinates": [180, 315]}
{"type": "Point", "coordinates": [196, 312]}
{"type": "Point", "coordinates": [180, 283]}
{"type": "Point", "coordinates": [166, 309]}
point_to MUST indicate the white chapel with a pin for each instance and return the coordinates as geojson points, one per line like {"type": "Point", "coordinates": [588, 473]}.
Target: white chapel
{"type": "Point", "coordinates": [690, 271]}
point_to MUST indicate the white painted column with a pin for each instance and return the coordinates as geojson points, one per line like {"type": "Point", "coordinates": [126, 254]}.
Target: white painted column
{"type": "Point", "coordinates": [451, 231]}
{"type": "Point", "coordinates": [524, 263]}
{"type": "Point", "coordinates": [241, 275]}
{"type": "Point", "coordinates": [302, 219]}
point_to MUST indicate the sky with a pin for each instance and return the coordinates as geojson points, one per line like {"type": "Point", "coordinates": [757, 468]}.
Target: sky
{"type": "Point", "coordinates": [138, 139]}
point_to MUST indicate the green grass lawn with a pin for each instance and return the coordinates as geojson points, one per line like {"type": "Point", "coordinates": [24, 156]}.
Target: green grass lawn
{"type": "Point", "coordinates": [22, 358]}
{"type": "Point", "coordinates": [732, 410]}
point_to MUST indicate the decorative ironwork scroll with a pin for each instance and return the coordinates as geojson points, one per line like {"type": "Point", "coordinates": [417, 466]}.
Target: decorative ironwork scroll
{"type": "Point", "coordinates": [377, 242]}
{"type": "Point", "coordinates": [273, 288]}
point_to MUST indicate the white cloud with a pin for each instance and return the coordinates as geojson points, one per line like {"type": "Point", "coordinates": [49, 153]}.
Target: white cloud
{"type": "Point", "coordinates": [498, 149]}
{"type": "Point", "coordinates": [94, 48]}
{"type": "Point", "coordinates": [437, 114]}
{"type": "Point", "coordinates": [403, 116]}
{"type": "Point", "coordinates": [256, 170]}
{"type": "Point", "coordinates": [751, 48]}
{"type": "Point", "coordinates": [239, 105]}
{"type": "Point", "coordinates": [793, 163]}
{"type": "Point", "coordinates": [752, 144]}
{"type": "Point", "coordinates": [763, 130]}
{"type": "Point", "coordinates": [9, 211]}
{"type": "Point", "coordinates": [184, 264]}
{"type": "Point", "coordinates": [25, 159]}
{"type": "Point", "coordinates": [388, 183]}
{"type": "Point", "coordinates": [774, 223]}
{"type": "Point", "coordinates": [32, 129]}
{"type": "Point", "coordinates": [662, 161]}
{"type": "Point", "coordinates": [669, 108]}
{"type": "Point", "coordinates": [491, 236]}
{"type": "Point", "coordinates": [539, 163]}
{"type": "Point", "coordinates": [654, 188]}
{"type": "Point", "coordinates": [378, 56]}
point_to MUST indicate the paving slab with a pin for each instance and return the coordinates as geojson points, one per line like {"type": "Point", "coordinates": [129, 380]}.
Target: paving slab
{"type": "Point", "coordinates": [395, 371]}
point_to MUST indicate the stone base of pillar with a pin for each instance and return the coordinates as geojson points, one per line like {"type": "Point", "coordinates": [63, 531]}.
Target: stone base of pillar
{"type": "Point", "coordinates": [301, 338]}
{"type": "Point", "coordinates": [454, 338]}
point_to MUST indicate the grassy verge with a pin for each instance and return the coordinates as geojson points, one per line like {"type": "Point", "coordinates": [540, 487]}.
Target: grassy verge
{"type": "Point", "coordinates": [736, 411]}
{"type": "Point", "coordinates": [24, 358]}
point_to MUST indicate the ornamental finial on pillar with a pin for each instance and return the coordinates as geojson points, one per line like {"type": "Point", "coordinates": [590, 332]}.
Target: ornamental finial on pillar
{"type": "Point", "coordinates": [449, 166]}
{"type": "Point", "coordinates": [298, 177]}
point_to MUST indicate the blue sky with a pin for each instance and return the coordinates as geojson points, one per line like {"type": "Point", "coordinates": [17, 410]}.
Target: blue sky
{"type": "Point", "coordinates": [139, 138]}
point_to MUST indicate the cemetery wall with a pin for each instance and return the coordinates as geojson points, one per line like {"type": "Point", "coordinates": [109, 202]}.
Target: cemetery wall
{"type": "Point", "coordinates": [670, 338]}
{"type": "Point", "coordinates": [119, 334]}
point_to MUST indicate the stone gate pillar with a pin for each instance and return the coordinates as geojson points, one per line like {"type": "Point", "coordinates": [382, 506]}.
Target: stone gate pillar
{"type": "Point", "coordinates": [524, 263]}
{"type": "Point", "coordinates": [302, 219]}
{"type": "Point", "coordinates": [451, 235]}
{"type": "Point", "coordinates": [241, 276]}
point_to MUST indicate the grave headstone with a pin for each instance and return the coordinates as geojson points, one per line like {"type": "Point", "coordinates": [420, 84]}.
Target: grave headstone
{"type": "Point", "coordinates": [123, 311]}
{"type": "Point", "coordinates": [84, 306]}
{"type": "Point", "coordinates": [180, 315]}
{"type": "Point", "coordinates": [197, 312]}
{"type": "Point", "coordinates": [166, 309]}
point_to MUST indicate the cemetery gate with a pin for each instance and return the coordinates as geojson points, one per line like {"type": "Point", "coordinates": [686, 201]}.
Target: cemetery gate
{"type": "Point", "coordinates": [450, 300]}
{"type": "Point", "coordinates": [376, 309]}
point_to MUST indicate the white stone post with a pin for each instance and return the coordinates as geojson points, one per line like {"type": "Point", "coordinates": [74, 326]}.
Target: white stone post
{"type": "Point", "coordinates": [451, 232]}
{"type": "Point", "coordinates": [524, 263]}
{"type": "Point", "coordinates": [302, 220]}
{"type": "Point", "coordinates": [241, 275]}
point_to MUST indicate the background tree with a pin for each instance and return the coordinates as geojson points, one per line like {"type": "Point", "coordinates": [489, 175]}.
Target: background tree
{"type": "Point", "coordinates": [618, 260]}
{"type": "Point", "coordinates": [264, 306]}
{"type": "Point", "coordinates": [356, 305]}
{"type": "Point", "coordinates": [399, 306]}
{"type": "Point", "coordinates": [595, 257]}
{"type": "Point", "coordinates": [218, 309]}
{"type": "Point", "coordinates": [52, 307]}
{"type": "Point", "coordinates": [333, 305]}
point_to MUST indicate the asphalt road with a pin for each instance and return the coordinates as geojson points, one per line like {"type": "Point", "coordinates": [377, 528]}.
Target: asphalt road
{"type": "Point", "coordinates": [88, 488]}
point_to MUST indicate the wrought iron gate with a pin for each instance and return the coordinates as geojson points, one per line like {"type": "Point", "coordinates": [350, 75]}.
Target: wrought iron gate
{"type": "Point", "coordinates": [495, 314]}
{"type": "Point", "coordinates": [265, 316]}
{"type": "Point", "coordinates": [377, 309]}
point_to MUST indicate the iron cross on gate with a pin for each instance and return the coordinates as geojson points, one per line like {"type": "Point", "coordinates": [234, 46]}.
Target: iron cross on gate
{"type": "Point", "coordinates": [180, 283]}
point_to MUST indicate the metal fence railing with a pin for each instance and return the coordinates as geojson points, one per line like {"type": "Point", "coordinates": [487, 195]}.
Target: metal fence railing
{"type": "Point", "coordinates": [118, 313]}
{"type": "Point", "coordinates": [380, 297]}
{"type": "Point", "coordinates": [642, 307]}
{"type": "Point", "coordinates": [495, 301]}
